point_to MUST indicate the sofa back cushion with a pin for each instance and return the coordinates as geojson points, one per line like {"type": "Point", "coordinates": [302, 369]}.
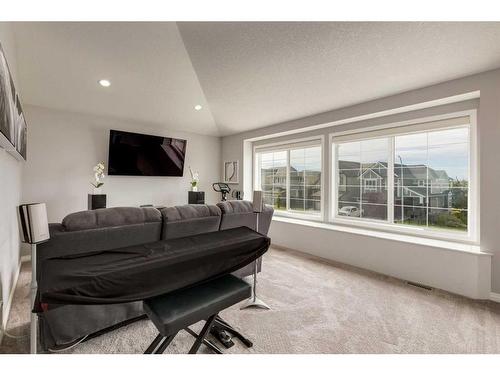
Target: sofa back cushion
{"type": "Point", "coordinates": [239, 213]}
{"type": "Point", "coordinates": [189, 220]}
{"type": "Point", "coordinates": [103, 229]}
{"type": "Point", "coordinates": [110, 217]}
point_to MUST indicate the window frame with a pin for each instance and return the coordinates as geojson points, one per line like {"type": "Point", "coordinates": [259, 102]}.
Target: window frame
{"type": "Point", "coordinates": [472, 235]}
{"type": "Point", "coordinates": [288, 145]}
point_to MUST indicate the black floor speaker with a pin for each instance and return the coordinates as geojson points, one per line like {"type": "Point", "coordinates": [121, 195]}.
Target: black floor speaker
{"type": "Point", "coordinates": [97, 201]}
{"type": "Point", "coordinates": [196, 197]}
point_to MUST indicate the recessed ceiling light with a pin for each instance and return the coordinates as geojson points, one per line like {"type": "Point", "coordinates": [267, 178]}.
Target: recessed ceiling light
{"type": "Point", "coordinates": [198, 107]}
{"type": "Point", "coordinates": [104, 83]}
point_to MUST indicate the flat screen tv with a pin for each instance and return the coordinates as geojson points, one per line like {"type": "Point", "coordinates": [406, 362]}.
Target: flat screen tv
{"type": "Point", "coordinates": [132, 154]}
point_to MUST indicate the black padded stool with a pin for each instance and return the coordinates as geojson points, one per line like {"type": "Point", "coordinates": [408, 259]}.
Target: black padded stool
{"type": "Point", "coordinates": [176, 311]}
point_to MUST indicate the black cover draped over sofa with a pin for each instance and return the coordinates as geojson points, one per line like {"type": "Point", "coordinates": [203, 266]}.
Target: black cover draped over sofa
{"type": "Point", "coordinates": [86, 284]}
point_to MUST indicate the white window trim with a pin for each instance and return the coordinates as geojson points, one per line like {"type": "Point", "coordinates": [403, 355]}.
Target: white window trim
{"type": "Point", "coordinates": [289, 145]}
{"type": "Point", "coordinates": [472, 237]}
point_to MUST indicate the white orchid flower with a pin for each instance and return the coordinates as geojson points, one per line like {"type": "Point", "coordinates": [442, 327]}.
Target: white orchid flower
{"type": "Point", "coordinates": [98, 175]}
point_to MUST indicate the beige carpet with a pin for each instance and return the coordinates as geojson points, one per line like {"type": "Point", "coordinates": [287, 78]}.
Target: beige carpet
{"type": "Point", "coordinates": [318, 307]}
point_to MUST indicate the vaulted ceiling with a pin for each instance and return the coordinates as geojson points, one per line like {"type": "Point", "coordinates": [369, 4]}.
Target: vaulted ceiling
{"type": "Point", "coordinates": [244, 75]}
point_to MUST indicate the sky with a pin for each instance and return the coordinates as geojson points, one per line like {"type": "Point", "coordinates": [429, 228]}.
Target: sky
{"type": "Point", "coordinates": [446, 150]}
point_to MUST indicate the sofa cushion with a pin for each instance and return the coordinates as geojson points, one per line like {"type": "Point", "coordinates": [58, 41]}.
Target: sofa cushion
{"type": "Point", "coordinates": [189, 211]}
{"type": "Point", "coordinates": [110, 217]}
{"type": "Point", "coordinates": [233, 207]}
{"type": "Point", "coordinates": [189, 220]}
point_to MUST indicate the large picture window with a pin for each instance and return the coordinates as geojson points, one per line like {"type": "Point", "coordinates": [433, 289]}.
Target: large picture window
{"type": "Point", "coordinates": [416, 177]}
{"type": "Point", "coordinates": [290, 177]}
{"type": "Point", "coordinates": [362, 165]}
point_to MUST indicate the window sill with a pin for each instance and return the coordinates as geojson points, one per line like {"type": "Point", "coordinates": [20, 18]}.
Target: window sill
{"type": "Point", "coordinates": [298, 215]}
{"type": "Point", "coordinates": [446, 245]}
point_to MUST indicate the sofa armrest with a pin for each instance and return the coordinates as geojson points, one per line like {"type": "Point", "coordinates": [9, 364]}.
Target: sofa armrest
{"type": "Point", "coordinates": [236, 213]}
{"type": "Point", "coordinates": [265, 219]}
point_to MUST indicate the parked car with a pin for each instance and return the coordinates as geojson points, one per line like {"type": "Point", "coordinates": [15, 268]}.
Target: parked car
{"type": "Point", "coordinates": [350, 211]}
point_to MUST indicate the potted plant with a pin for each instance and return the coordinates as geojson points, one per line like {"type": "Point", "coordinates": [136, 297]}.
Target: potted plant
{"type": "Point", "coordinates": [194, 180]}
{"type": "Point", "coordinates": [98, 177]}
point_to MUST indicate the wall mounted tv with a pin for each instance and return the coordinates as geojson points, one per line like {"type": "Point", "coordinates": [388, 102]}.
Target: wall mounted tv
{"type": "Point", "coordinates": [132, 154]}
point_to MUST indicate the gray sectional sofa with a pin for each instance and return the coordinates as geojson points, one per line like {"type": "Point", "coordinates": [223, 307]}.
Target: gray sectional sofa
{"type": "Point", "coordinates": [112, 228]}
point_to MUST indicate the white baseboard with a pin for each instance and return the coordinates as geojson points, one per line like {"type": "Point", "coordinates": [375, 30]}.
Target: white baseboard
{"type": "Point", "coordinates": [494, 297]}
{"type": "Point", "coordinates": [26, 258]}
{"type": "Point", "coordinates": [8, 305]}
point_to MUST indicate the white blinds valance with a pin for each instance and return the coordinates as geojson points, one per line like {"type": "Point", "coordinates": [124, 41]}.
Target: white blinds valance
{"type": "Point", "coordinates": [288, 146]}
{"type": "Point", "coordinates": [393, 130]}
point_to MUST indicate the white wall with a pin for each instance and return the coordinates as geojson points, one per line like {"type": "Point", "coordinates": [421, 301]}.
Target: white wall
{"type": "Point", "coordinates": [456, 271]}
{"type": "Point", "coordinates": [64, 147]}
{"type": "Point", "coordinates": [10, 194]}
{"type": "Point", "coordinates": [372, 253]}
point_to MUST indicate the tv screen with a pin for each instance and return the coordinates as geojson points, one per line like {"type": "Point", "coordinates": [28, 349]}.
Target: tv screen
{"type": "Point", "coordinates": [132, 154]}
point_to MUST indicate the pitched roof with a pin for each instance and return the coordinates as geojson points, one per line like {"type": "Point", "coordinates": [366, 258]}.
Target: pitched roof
{"type": "Point", "coordinates": [406, 171]}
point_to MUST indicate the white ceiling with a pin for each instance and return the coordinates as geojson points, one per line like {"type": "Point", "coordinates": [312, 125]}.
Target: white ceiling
{"type": "Point", "coordinates": [152, 79]}
{"type": "Point", "coordinates": [245, 75]}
